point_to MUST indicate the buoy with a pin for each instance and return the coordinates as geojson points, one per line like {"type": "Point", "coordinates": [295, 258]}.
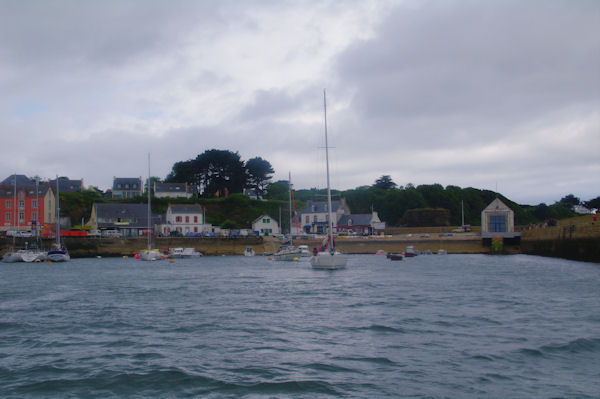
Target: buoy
{"type": "Point", "coordinates": [296, 259]}
{"type": "Point", "coordinates": [125, 256]}
{"type": "Point", "coordinates": [99, 257]}
{"type": "Point", "coordinates": [136, 256]}
{"type": "Point", "coordinates": [37, 261]}
{"type": "Point", "coordinates": [171, 260]}
{"type": "Point", "coordinates": [48, 262]}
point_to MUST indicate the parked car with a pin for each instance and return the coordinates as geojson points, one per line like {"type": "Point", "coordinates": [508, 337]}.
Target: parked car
{"type": "Point", "coordinates": [19, 233]}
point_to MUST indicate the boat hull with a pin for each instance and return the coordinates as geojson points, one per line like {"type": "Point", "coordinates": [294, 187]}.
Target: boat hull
{"type": "Point", "coordinates": [326, 260]}
{"type": "Point", "coordinates": [58, 256]}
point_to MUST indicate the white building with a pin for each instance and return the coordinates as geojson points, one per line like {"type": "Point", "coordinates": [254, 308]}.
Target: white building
{"type": "Point", "coordinates": [265, 225]}
{"type": "Point", "coordinates": [315, 216]}
{"type": "Point", "coordinates": [171, 190]}
{"type": "Point", "coordinates": [185, 219]}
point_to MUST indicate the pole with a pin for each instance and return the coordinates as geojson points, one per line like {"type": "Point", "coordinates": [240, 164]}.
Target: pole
{"type": "Point", "coordinates": [328, 183]}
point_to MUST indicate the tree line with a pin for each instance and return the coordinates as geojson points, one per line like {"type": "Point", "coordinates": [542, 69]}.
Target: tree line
{"type": "Point", "coordinates": [222, 172]}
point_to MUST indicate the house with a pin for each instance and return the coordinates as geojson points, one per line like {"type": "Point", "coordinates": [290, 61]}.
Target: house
{"type": "Point", "coordinates": [127, 187]}
{"type": "Point", "coordinates": [66, 185]}
{"type": "Point", "coordinates": [498, 220]}
{"type": "Point", "coordinates": [315, 216]}
{"type": "Point", "coordinates": [31, 207]}
{"type": "Point", "coordinates": [171, 190]}
{"type": "Point", "coordinates": [252, 194]}
{"type": "Point", "coordinates": [361, 224]}
{"type": "Point", "coordinates": [185, 219]}
{"type": "Point", "coordinates": [131, 220]}
{"type": "Point", "coordinates": [265, 225]}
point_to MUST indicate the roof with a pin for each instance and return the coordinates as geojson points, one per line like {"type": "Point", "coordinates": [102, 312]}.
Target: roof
{"type": "Point", "coordinates": [262, 217]}
{"type": "Point", "coordinates": [127, 180]}
{"type": "Point", "coordinates": [67, 185]}
{"type": "Point", "coordinates": [356, 220]}
{"type": "Point", "coordinates": [23, 184]}
{"type": "Point", "coordinates": [186, 208]}
{"type": "Point", "coordinates": [21, 180]}
{"type": "Point", "coordinates": [170, 188]}
{"type": "Point", "coordinates": [320, 206]}
{"type": "Point", "coordinates": [497, 206]}
{"type": "Point", "coordinates": [135, 215]}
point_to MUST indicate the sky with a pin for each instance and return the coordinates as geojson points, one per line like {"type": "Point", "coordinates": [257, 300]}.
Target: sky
{"type": "Point", "coordinates": [496, 95]}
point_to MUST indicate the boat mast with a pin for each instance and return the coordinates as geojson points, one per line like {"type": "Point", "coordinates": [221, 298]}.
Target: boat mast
{"type": "Point", "coordinates": [331, 248]}
{"type": "Point", "coordinates": [15, 212]}
{"type": "Point", "coordinates": [149, 211]}
{"type": "Point", "coordinates": [57, 215]}
{"type": "Point", "coordinates": [290, 201]}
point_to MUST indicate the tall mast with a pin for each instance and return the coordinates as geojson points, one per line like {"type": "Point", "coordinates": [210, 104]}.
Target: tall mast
{"type": "Point", "coordinates": [149, 211]}
{"type": "Point", "coordinates": [57, 215]}
{"type": "Point", "coordinates": [328, 184]}
{"type": "Point", "coordinates": [290, 201]}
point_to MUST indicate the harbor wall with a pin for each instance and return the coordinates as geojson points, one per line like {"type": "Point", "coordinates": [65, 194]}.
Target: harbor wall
{"type": "Point", "coordinates": [580, 249]}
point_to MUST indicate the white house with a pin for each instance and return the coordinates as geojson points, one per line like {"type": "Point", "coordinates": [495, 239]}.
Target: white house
{"type": "Point", "coordinates": [172, 190]}
{"type": "Point", "coordinates": [497, 219]}
{"type": "Point", "coordinates": [315, 216]}
{"type": "Point", "coordinates": [185, 219]}
{"type": "Point", "coordinates": [265, 225]}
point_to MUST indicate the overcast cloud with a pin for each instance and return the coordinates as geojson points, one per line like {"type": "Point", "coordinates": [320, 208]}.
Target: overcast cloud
{"type": "Point", "coordinates": [469, 93]}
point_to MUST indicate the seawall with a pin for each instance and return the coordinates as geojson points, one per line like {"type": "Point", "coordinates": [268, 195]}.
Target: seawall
{"type": "Point", "coordinates": [581, 249]}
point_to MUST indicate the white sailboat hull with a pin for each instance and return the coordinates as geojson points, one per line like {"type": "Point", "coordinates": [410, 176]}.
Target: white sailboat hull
{"type": "Point", "coordinates": [150, 255]}
{"type": "Point", "coordinates": [326, 260]}
{"type": "Point", "coordinates": [29, 256]}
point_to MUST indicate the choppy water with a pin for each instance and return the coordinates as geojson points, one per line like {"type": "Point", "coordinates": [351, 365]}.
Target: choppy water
{"type": "Point", "coordinates": [227, 327]}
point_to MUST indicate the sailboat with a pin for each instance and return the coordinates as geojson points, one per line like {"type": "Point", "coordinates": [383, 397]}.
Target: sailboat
{"type": "Point", "coordinates": [149, 254]}
{"type": "Point", "coordinates": [329, 258]}
{"type": "Point", "coordinates": [287, 251]}
{"type": "Point", "coordinates": [59, 252]}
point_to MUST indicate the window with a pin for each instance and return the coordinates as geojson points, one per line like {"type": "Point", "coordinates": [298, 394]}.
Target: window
{"type": "Point", "coordinates": [315, 219]}
{"type": "Point", "coordinates": [195, 219]}
{"type": "Point", "coordinates": [8, 204]}
{"type": "Point", "coordinates": [34, 216]}
{"type": "Point", "coordinates": [21, 217]}
{"type": "Point", "coordinates": [21, 194]}
{"type": "Point", "coordinates": [7, 216]}
{"type": "Point", "coordinates": [195, 229]}
{"type": "Point", "coordinates": [21, 204]}
{"type": "Point", "coordinates": [187, 219]}
{"type": "Point", "coordinates": [266, 220]}
{"type": "Point", "coordinates": [497, 224]}
{"type": "Point", "coordinates": [34, 203]}
{"type": "Point", "coordinates": [178, 219]}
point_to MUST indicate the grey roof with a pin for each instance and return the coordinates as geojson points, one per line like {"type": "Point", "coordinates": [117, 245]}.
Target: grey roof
{"type": "Point", "coordinates": [67, 185]}
{"type": "Point", "coordinates": [135, 214]}
{"type": "Point", "coordinates": [127, 180]}
{"type": "Point", "coordinates": [320, 206]}
{"type": "Point", "coordinates": [170, 188]}
{"type": "Point", "coordinates": [23, 184]}
{"type": "Point", "coordinates": [363, 219]}
{"type": "Point", "coordinates": [22, 180]}
{"type": "Point", "coordinates": [186, 208]}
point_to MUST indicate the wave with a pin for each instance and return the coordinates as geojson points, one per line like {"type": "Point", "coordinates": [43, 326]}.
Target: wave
{"type": "Point", "coordinates": [162, 383]}
{"type": "Point", "coordinates": [579, 345]}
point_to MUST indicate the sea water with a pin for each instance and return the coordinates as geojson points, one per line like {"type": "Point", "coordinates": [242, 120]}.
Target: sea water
{"type": "Point", "coordinates": [457, 326]}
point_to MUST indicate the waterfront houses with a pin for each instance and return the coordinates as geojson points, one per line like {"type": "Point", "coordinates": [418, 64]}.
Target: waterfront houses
{"type": "Point", "coordinates": [127, 187]}
{"type": "Point", "coordinates": [130, 220]}
{"type": "Point", "coordinates": [171, 190]}
{"type": "Point", "coordinates": [265, 225]}
{"type": "Point", "coordinates": [33, 209]}
{"type": "Point", "coordinates": [360, 224]}
{"type": "Point", "coordinates": [314, 217]}
{"type": "Point", "coordinates": [184, 219]}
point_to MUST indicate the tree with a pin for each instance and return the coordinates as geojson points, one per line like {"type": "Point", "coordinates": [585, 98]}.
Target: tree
{"type": "Point", "coordinates": [570, 200]}
{"type": "Point", "coordinates": [212, 172]}
{"type": "Point", "coordinates": [385, 183]}
{"type": "Point", "coordinates": [259, 174]}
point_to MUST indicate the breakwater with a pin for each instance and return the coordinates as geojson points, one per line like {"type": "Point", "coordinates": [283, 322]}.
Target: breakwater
{"type": "Point", "coordinates": [581, 249]}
